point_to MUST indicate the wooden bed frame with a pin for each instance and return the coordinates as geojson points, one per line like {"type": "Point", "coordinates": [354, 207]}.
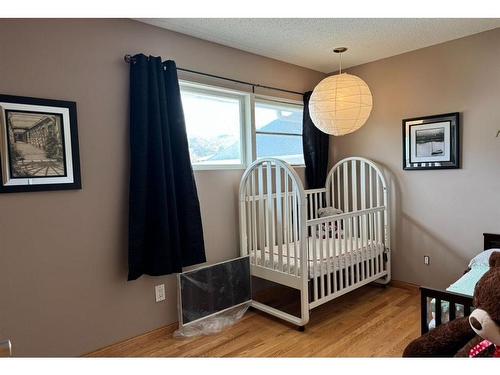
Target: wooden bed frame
{"type": "Point", "coordinates": [426, 294]}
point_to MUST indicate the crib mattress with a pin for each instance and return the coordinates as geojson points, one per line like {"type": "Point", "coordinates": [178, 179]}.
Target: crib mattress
{"type": "Point", "coordinates": [338, 255]}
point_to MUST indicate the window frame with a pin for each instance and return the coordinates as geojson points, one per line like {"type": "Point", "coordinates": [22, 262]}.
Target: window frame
{"type": "Point", "coordinates": [226, 93]}
{"type": "Point", "coordinates": [248, 131]}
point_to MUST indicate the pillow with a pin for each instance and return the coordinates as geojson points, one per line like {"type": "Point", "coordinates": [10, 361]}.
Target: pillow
{"type": "Point", "coordinates": [482, 259]}
{"type": "Point", "coordinates": [328, 211]}
{"type": "Point", "coordinates": [467, 283]}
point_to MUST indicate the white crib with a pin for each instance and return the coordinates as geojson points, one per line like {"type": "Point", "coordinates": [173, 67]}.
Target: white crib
{"type": "Point", "coordinates": [325, 257]}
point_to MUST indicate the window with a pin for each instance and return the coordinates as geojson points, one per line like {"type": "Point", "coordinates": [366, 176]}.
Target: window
{"type": "Point", "coordinates": [220, 130]}
{"type": "Point", "coordinates": [278, 128]}
{"type": "Point", "coordinates": [214, 123]}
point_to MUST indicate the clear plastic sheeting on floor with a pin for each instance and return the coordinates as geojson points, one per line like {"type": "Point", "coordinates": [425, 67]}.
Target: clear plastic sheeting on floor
{"type": "Point", "coordinates": [213, 324]}
{"type": "Point", "coordinates": [213, 297]}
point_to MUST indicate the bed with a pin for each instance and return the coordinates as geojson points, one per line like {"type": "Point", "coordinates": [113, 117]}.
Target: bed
{"type": "Point", "coordinates": [293, 239]}
{"type": "Point", "coordinates": [441, 306]}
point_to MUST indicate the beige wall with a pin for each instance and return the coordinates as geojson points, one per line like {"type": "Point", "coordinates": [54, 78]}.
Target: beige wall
{"type": "Point", "coordinates": [63, 255]}
{"type": "Point", "coordinates": [440, 213]}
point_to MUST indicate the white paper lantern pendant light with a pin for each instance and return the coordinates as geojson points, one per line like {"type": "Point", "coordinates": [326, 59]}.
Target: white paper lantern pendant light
{"type": "Point", "coordinates": [340, 104]}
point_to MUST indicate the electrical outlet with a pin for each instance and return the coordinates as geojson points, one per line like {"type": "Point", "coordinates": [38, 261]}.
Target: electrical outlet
{"type": "Point", "coordinates": [160, 292]}
{"type": "Point", "coordinates": [427, 260]}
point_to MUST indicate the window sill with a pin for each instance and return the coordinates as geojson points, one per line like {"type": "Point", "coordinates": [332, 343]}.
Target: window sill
{"type": "Point", "coordinates": [218, 167]}
{"type": "Point", "coordinates": [222, 167]}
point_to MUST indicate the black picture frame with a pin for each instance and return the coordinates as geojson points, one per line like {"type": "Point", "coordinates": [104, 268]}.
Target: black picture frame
{"type": "Point", "coordinates": [64, 170]}
{"type": "Point", "coordinates": [446, 127]}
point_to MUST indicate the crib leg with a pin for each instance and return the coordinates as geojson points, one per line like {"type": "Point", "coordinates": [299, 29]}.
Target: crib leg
{"type": "Point", "coordinates": [301, 328]}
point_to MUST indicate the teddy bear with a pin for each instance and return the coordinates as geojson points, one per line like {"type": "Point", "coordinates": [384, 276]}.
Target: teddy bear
{"type": "Point", "coordinates": [477, 335]}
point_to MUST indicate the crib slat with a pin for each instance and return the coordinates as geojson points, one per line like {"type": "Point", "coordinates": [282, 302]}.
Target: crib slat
{"type": "Point", "coordinates": [353, 250]}
{"type": "Point", "coordinates": [354, 187]}
{"type": "Point", "coordinates": [377, 248]}
{"type": "Point", "coordinates": [291, 227]}
{"type": "Point", "coordinates": [270, 214]}
{"type": "Point", "coordinates": [254, 220]}
{"type": "Point", "coordinates": [379, 218]}
{"type": "Point", "coordinates": [343, 266]}
{"type": "Point", "coordinates": [262, 234]}
{"type": "Point", "coordinates": [323, 260]}
{"type": "Point", "coordinates": [279, 218]}
{"type": "Point", "coordinates": [372, 227]}
{"type": "Point", "coordinates": [286, 224]}
{"type": "Point", "coordinates": [316, 204]}
{"type": "Point", "coordinates": [368, 245]}
{"type": "Point", "coordinates": [309, 207]}
{"type": "Point", "coordinates": [354, 205]}
{"type": "Point", "coordinates": [334, 255]}
{"type": "Point", "coordinates": [338, 189]}
{"type": "Point", "coordinates": [363, 218]}
{"type": "Point", "coordinates": [347, 255]}
{"type": "Point", "coordinates": [314, 255]}
{"type": "Point", "coordinates": [295, 223]}
{"type": "Point", "coordinates": [370, 187]}
{"type": "Point", "coordinates": [362, 170]}
{"type": "Point", "coordinates": [364, 245]}
{"type": "Point", "coordinates": [331, 197]}
{"type": "Point", "coordinates": [357, 255]}
{"type": "Point", "coordinates": [329, 257]}
{"type": "Point", "coordinates": [248, 218]}
{"type": "Point", "coordinates": [346, 188]}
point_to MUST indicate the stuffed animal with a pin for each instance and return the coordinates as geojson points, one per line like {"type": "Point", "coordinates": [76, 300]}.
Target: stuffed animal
{"type": "Point", "coordinates": [477, 335]}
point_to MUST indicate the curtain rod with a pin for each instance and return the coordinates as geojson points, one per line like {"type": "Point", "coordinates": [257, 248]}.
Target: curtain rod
{"type": "Point", "coordinates": [130, 60]}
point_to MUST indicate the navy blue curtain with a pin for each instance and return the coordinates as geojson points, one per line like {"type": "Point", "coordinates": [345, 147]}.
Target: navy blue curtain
{"type": "Point", "coordinates": [315, 145]}
{"type": "Point", "coordinates": [165, 229]}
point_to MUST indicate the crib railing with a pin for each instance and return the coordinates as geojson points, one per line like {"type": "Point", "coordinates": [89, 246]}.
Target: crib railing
{"type": "Point", "coordinates": [346, 251]}
{"type": "Point", "coordinates": [316, 199]}
{"type": "Point", "coordinates": [272, 213]}
{"type": "Point", "coordinates": [276, 243]}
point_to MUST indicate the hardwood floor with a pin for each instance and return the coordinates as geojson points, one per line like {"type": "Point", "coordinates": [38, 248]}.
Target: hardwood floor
{"type": "Point", "coordinates": [372, 321]}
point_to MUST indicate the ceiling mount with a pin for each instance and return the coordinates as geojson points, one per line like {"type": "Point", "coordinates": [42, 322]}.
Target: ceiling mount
{"type": "Point", "coordinates": [340, 49]}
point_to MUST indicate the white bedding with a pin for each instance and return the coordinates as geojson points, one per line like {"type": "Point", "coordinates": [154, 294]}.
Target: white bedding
{"type": "Point", "coordinates": [339, 255]}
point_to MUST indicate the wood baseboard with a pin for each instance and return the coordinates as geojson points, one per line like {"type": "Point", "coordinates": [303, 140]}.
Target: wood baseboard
{"type": "Point", "coordinates": [404, 285]}
{"type": "Point", "coordinates": [136, 340]}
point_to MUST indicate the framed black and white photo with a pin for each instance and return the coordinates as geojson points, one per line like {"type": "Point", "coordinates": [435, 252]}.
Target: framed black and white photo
{"type": "Point", "coordinates": [431, 142]}
{"type": "Point", "coordinates": [38, 145]}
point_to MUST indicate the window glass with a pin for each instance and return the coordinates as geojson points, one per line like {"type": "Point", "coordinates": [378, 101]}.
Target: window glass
{"type": "Point", "coordinates": [213, 126]}
{"type": "Point", "coordinates": [278, 128]}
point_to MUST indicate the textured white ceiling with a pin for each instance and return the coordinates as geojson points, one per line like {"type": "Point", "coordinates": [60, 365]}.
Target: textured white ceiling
{"type": "Point", "coordinates": [309, 42]}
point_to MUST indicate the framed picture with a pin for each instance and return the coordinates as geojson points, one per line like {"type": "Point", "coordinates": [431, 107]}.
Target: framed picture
{"type": "Point", "coordinates": [431, 142]}
{"type": "Point", "coordinates": [38, 145]}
